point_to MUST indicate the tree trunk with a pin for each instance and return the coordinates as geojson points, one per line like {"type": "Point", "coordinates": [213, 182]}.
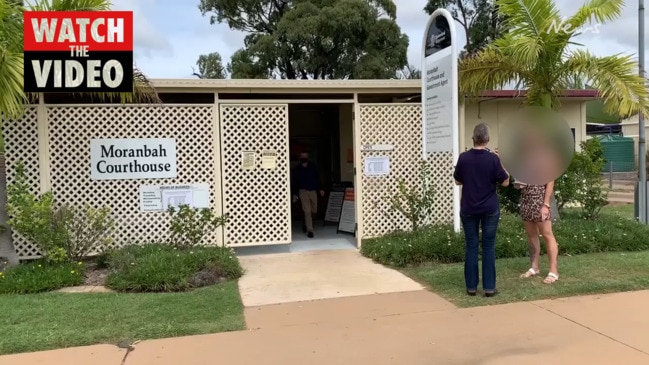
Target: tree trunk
{"type": "Point", "coordinates": [7, 250]}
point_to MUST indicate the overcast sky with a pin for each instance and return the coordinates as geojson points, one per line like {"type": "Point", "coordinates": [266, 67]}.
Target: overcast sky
{"type": "Point", "coordinates": [171, 34]}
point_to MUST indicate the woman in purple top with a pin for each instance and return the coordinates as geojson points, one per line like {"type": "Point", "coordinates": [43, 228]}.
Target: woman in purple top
{"type": "Point", "coordinates": [479, 171]}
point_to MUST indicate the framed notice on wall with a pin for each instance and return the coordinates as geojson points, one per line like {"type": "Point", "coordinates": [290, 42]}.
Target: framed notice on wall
{"type": "Point", "coordinates": [157, 198]}
{"type": "Point", "coordinates": [347, 221]}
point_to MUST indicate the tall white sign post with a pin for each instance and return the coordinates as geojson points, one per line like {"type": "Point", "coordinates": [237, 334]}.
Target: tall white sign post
{"type": "Point", "coordinates": [439, 90]}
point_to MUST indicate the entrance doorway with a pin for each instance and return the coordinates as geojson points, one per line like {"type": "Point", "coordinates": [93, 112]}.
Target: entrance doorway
{"type": "Point", "coordinates": [325, 132]}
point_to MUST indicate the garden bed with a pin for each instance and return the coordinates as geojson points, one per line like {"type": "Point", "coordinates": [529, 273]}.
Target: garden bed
{"type": "Point", "coordinates": [612, 232]}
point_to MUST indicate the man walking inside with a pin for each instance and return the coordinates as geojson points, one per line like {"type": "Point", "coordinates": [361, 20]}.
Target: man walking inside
{"type": "Point", "coordinates": [306, 183]}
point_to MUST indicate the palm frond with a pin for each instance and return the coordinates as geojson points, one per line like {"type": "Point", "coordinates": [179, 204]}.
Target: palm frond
{"type": "Point", "coordinates": [12, 100]}
{"type": "Point", "coordinates": [69, 5]}
{"type": "Point", "coordinates": [622, 90]}
{"type": "Point", "coordinates": [143, 92]}
{"type": "Point", "coordinates": [596, 10]}
{"type": "Point", "coordinates": [530, 18]}
{"type": "Point", "coordinates": [522, 49]}
{"type": "Point", "coordinates": [489, 69]}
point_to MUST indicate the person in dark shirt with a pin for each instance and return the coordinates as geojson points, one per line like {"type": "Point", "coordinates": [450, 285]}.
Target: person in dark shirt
{"type": "Point", "coordinates": [478, 171]}
{"type": "Point", "coordinates": [305, 186]}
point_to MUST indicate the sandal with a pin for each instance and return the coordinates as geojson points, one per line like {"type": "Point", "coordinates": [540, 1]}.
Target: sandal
{"type": "Point", "coordinates": [551, 278]}
{"type": "Point", "coordinates": [529, 273]}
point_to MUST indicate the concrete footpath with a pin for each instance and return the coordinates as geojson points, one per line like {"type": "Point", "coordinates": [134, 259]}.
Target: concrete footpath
{"type": "Point", "coordinates": [416, 327]}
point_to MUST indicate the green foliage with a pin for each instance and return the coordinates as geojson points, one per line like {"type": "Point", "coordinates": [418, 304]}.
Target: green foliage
{"type": "Point", "coordinates": [189, 226]}
{"type": "Point", "coordinates": [88, 229]}
{"type": "Point", "coordinates": [35, 218]}
{"type": "Point", "coordinates": [313, 39]}
{"type": "Point", "coordinates": [210, 66]}
{"type": "Point", "coordinates": [480, 20]}
{"type": "Point", "coordinates": [575, 236]}
{"type": "Point", "coordinates": [509, 197]}
{"type": "Point", "coordinates": [538, 57]}
{"type": "Point", "coordinates": [416, 202]}
{"type": "Point", "coordinates": [61, 234]}
{"type": "Point", "coordinates": [162, 268]}
{"type": "Point", "coordinates": [40, 276]}
{"type": "Point", "coordinates": [582, 182]}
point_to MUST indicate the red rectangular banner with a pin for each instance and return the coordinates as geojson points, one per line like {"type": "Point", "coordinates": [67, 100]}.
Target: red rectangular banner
{"type": "Point", "coordinates": [76, 30]}
{"type": "Point", "coordinates": [78, 51]}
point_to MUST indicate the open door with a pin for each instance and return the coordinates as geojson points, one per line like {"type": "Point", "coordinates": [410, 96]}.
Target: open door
{"type": "Point", "coordinates": [255, 174]}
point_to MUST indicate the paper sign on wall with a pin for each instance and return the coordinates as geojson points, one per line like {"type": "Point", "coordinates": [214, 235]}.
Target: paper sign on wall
{"type": "Point", "coordinates": [155, 198]}
{"type": "Point", "coordinates": [268, 160]}
{"type": "Point", "coordinates": [377, 166]}
{"type": "Point", "coordinates": [248, 160]}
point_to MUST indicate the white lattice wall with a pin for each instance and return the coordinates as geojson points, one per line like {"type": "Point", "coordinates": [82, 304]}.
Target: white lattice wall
{"type": "Point", "coordinates": [258, 200]}
{"type": "Point", "coordinates": [399, 125]}
{"type": "Point", "coordinates": [69, 133]}
{"type": "Point", "coordinates": [21, 145]}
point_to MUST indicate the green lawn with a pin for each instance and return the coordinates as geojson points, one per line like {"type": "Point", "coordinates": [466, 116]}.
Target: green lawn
{"type": "Point", "coordinates": [46, 321]}
{"type": "Point", "coordinates": [624, 210]}
{"type": "Point", "coordinates": [579, 275]}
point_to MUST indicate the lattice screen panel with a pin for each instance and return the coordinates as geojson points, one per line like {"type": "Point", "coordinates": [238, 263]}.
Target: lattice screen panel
{"type": "Point", "coordinates": [257, 200]}
{"type": "Point", "coordinates": [399, 125]}
{"type": "Point", "coordinates": [21, 145]}
{"type": "Point", "coordinates": [70, 132]}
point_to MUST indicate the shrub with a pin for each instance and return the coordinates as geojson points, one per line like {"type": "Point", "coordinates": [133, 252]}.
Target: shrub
{"type": "Point", "coordinates": [162, 268]}
{"type": "Point", "coordinates": [574, 234]}
{"type": "Point", "coordinates": [509, 197]}
{"type": "Point", "coordinates": [582, 181]}
{"type": "Point", "coordinates": [61, 233]}
{"type": "Point", "coordinates": [189, 226]}
{"type": "Point", "coordinates": [40, 276]}
{"type": "Point", "coordinates": [416, 202]}
{"type": "Point", "coordinates": [88, 229]}
{"type": "Point", "coordinates": [34, 218]}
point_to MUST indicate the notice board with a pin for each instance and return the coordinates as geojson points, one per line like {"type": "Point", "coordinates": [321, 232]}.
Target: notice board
{"type": "Point", "coordinates": [347, 222]}
{"type": "Point", "coordinates": [335, 202]}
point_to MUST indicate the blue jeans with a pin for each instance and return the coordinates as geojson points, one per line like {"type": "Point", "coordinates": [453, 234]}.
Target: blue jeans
{"type": "Point", "coordinates": [472, 225]}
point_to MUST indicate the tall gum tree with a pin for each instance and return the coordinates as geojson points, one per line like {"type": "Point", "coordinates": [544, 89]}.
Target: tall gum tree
{"type": "Point", "coordinates": [313, 39]}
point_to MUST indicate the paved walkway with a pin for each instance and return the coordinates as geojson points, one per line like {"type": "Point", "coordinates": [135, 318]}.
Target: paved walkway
{"type": "Point", "coordinates": [411, 328]}
{"type": "Point", "coordinates": [303, 276]}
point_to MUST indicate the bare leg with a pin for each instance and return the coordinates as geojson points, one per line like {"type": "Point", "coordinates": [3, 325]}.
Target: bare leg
{"type": "Point", "coordinates": [550, 245]}
{"type": "Point", "coordinates": [534, 244]}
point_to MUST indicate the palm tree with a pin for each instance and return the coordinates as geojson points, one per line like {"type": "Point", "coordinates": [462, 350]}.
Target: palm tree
{"type": "Point", "coordinates": [536, 53]}
{"type": "Point", "coordinates": [11, 54]}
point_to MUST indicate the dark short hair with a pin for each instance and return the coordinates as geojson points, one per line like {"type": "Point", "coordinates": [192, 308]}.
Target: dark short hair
{"type": "Point", "coordinates": [481, 134]}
